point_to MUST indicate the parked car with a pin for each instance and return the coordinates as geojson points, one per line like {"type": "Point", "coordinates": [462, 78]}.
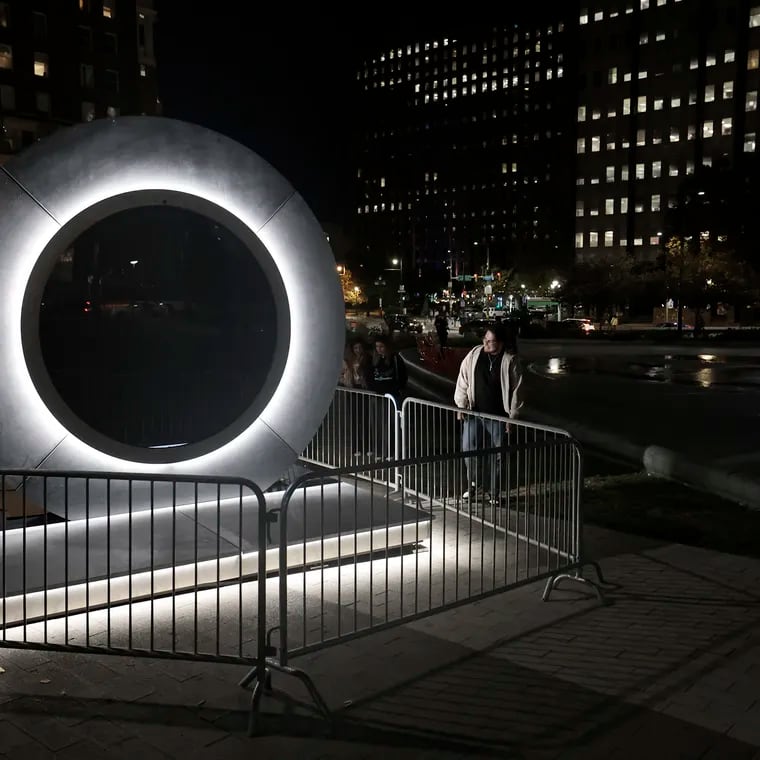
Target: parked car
{"type": "Point", "coordinates": [475, 328]}
{"type": "Point", "coordinates": [403, 323]}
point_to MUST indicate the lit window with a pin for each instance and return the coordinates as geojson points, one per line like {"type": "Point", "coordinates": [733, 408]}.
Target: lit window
{"type": "Point", "coordinates": [581, 113]}
{"type": "Point", "coordinates": [610, 141]}
{"type": "Point", "coordinates": [642, 75]}
{"type": "Point", "coordinates": [627, 76]}
{"type": "Point", "coordinates": [710, 60]}
{"type": "Point", "coordinates": [675, 102]}
{"type": "Point", "coordinates": [626, 106]}
{"type": "Point", "coordinates": [654, 240]}
{"type": "Point", "coordinates": [691, 132]}
{"type": "Point", "coordinates": [709, 93]}
{"type": "Point", "coordinates": [610, 173]}
{"type": "Point", "coordinates": [655, 205]}
{"type": "Point", "coordinates": [638, 241]}
{"type": "Point", "coordinates": [609, 206]}
{"type": "Point", "coordinates": [593, 239]}
{"type": "Point", "coordinates": [643, 38]}
{"type": "Point", "coordinates": [382, 181]}
{"type": "Point", "coordinates": [40, 65]}
{"type": "Point", "coordinates": [753, 59]}
{"type": "Point", "coordinates": [612, 75]}
{"type": "Point", "coordinates": [43, 102]}
{"type": "Point", "coordinates": [754, 17]}
{"type": "Point", "coordinates": [580, 146]}
{"type": "Point", "coordinates": [729, 56]}
{"type": "Point", "coordinates": [143, 70]}
{"type": "Point", "coordinates": [639, 208]}
{"type": "Point", "coordinates": [690, 167]}
{"type": "Point", "coordinates": [750, 104]}
{"type": "Point", "coordinates": [658, 104]}
{"type": "Point", "coordinates": [728, 90]}
{"type": "Point", "coordinates": [599, 15]}
{"type": "Point", "coordinates": [624, 173]}
{"type": "Point", "coordinates": [593, 212]}
{"type": "Point", "coordinates": [579, 208]}
{"type": "Point", "coordinates": [624, 205]}
{"type": "Point", "coordinates": [4, 15]}
{"type": "Point", "coordinates": [660, 37]}
{"type": "Point", "coordinates": [656, 136]}
{"type": "Point", "coordinates": [596, 144]}
{"type": "Point", "coordinates": [692, 97]}
{"type": "Point", "coordinates": [579, 240]}
{"type": "Point", "coordinates": [707, 129]}
{"type": "Point", "coordinates": [656, 169]}
{"type": "Point", "coordinates": [504, 168]}
{"type": "Point", "coordinates": [109, 9]}
{"type": "Point", "coordinates": [749, 142]}
{"type": "Point", "coordinates": [583, 17]}
{"type": "Point", "coordinates": [641, 104]}
{"type": "Point", "coordinates": [693, 63]}
{"type": "Point", "coordinates": [6, 57]}
{"type": "Point", "coordinates": [639, 171]}
{"type": "Point", "coordinates": [641, 137]}
{"type": "Point", "coordinates": [674, 134]}
{"type": "Point", "coordinates": [608, 238]}
{"type": "Point", "coordinates": [726, 125]}
{"type": "Point", "coordinates": [673, 170]}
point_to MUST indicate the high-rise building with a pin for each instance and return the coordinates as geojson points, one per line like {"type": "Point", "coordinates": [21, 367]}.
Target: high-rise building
{"type": "Point", "coordinates": [465, 148]}
{"type": "Point", "coordinates": [666, 87]}
{"type": "Point", "coordinates": [66, 61]}
{"type": "Point", "coordinates": [566, 138]}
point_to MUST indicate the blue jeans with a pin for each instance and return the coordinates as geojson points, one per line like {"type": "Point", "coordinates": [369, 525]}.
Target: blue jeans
{"type": "Point", "coordinates": [479, 434]}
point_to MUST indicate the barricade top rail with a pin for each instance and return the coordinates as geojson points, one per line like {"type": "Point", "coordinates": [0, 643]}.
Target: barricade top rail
{"type": "Point", "coordinates": [511, 420]}
{"type": "Point", "coordinates": [222, 480]}
{"type": "Point", "coordinates": [337, 472]}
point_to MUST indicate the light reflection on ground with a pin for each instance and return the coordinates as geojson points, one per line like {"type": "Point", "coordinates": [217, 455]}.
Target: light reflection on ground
{"type": "Point", "coordinates": [703, 370]}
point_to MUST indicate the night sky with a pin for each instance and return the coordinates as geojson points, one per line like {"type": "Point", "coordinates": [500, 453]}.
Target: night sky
{"type": "Point", "coordinates": [285, 87]}
{"type": "Point", "coordinates": [284, 91]}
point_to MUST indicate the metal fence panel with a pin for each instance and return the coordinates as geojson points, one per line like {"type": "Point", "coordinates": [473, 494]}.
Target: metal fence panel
{"type": "Point", "coordinates": [408, 553]}
{"type": "Point", "coordinates": [360, 428]}
{"type": "Point", "coordinates": [135, 564]}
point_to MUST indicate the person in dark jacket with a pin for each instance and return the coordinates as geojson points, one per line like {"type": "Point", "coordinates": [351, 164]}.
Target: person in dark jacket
{"type": "Point", "coordinates": [388, 372]}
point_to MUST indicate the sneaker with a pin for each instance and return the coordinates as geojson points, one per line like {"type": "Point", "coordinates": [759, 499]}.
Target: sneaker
{"type": "Point", "coordinates": [473, 494]}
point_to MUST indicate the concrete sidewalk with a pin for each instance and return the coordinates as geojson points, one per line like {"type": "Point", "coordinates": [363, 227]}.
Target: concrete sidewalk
{"type": "Point", "coordinates": [669, 669]}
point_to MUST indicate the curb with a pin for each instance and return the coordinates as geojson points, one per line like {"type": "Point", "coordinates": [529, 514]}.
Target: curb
{"type": "Point", "coordinates": [657, 461]}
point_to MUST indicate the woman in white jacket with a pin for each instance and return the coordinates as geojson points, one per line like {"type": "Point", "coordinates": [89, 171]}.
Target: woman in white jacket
{"type": "Point", "coordinates": [489, 382]}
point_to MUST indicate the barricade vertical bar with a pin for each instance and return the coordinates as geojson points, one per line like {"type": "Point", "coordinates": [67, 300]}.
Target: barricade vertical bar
{"type": "Point", "coordinates": [152, 564]}
{"type": "Point", "coordinates": [174, 567]}
{"type": "Point", "coordinates": [283, 573]}
{"type": "Point", "coordinates": [108, 562]}
{"type": "Point", "coordinates": [218, 563]}
{"type": "Point", "coordinates": [261, 508]}
{"type": "Point", "coordinates": [66, 556]}
{"type": "Point", "coordinates": [23, 552]}
{"type": "Point", "coordinates": [195, 568]}
{"type": "Point", "coordinates": [129, 561]}
{"type": "Point", "coordinates": [45, 556]}
{"type": "Point", "coordinates": [5, 555]}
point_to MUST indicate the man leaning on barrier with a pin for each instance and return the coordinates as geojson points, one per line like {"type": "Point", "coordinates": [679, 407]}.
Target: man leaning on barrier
{"type": "Point", "coordinates": [489, 382]}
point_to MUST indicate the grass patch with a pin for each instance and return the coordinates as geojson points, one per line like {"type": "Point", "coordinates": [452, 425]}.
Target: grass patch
{"type": "Point", "coordinates": [641, 504]}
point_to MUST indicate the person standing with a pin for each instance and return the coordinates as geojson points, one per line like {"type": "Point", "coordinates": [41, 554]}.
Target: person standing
{"type": "Point", "coordinates": [388, 373]}
{"type": "Point", "coordinates": [441, 324]}
{"type": "Point", "coordinates": [489, 382]}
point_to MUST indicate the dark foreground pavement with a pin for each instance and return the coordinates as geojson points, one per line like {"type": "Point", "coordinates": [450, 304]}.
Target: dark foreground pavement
{"type": "Point", "coordinates": [669, 669]}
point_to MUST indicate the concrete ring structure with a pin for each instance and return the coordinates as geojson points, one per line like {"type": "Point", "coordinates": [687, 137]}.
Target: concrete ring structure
{"type": "Point", "coordinates": [62, 186]}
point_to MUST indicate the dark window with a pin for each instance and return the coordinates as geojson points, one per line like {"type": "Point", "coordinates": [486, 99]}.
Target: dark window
{"type": "Point", "coordinates": [85, 39]}
{"type": "Point", "coordinates": [40, 27]}
{"type": "Point", "coordinates": [111, 78]}
{"type": "Point", "coordinates": [111, 44]}
{"type": "Point", "coordinates": [141, 35]}
{"type": "Point", "coordinates": [597, 79]}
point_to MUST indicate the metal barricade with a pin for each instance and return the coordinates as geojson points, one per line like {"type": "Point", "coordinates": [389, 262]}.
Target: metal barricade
{"type": "Point", "coordinates": [387, 557]}
{"type": "Point", "coordinates": [139, 565]}
{"type": "Point", "coordinates": [360, 428]}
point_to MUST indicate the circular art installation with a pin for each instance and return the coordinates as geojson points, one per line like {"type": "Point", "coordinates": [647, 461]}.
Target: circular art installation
{"type": "Point", "coordinates": [77, 178]}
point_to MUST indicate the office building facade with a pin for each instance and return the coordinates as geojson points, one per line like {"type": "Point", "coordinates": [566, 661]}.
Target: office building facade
{"type": "Point", "coordinates": [68, 61]}
{"type": "Point", "coordinates": [549, 142]}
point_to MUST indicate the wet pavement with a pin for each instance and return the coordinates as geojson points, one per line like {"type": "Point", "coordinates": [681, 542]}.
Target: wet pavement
{"type": "Point", "coordinates": [702, 370]}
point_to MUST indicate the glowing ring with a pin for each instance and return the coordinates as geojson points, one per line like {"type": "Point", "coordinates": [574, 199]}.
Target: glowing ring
{"type": "Point", "coordinates": [73, 179]}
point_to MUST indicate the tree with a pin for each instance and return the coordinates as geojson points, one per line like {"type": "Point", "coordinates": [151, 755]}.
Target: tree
{"type": "Point", "coordinates": [353, 293]}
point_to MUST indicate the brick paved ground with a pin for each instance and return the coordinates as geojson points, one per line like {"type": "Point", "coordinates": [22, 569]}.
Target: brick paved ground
{"type": "Point", "coordinates": [669, 670]}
